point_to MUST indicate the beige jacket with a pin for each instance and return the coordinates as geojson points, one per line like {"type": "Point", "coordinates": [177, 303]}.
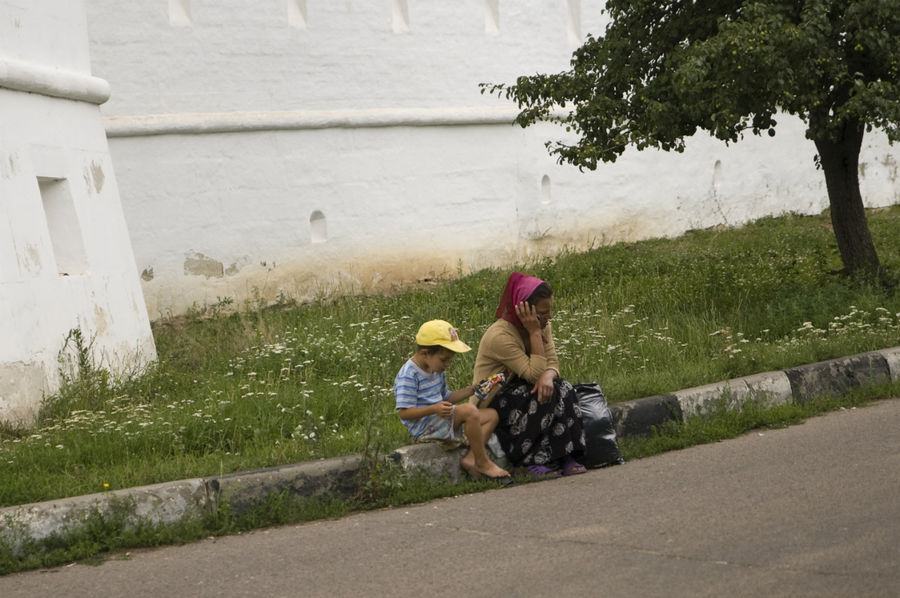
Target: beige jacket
{"type": "Point", "coordinates": [502, 349]}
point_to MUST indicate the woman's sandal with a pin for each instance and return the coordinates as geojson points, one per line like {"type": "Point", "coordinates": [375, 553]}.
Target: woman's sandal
{"type": "Point", "coordinates": [540, 472]}
{"type": "Point", "coordinates": [572, 467]}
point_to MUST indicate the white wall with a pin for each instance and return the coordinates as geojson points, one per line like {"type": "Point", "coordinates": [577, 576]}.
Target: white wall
{"type": "Point", "coordinates": [239, 55]}
{"type": "Point", "coordinates": [65, 256]}
{"type": "Point", "coordinates": [233, 124]}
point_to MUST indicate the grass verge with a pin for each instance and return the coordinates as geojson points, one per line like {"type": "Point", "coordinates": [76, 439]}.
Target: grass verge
{"type": "Point", "coordinates": [102, 537]}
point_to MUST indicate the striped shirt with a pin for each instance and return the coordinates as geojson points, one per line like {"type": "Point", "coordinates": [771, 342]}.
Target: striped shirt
{"type": "Point", "coordinates": [414, 387]}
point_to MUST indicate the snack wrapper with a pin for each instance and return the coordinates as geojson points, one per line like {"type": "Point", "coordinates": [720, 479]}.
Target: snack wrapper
{"type": "Point", "coordinates": [483, 390]}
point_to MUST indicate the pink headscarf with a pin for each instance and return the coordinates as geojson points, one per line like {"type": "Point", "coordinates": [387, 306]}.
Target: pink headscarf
{"type": "Point", "coordinates": [519, 287]}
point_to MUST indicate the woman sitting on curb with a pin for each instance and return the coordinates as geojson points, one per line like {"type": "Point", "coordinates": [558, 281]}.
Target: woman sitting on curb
{"type": "Point", "coordinates": [540, 425]}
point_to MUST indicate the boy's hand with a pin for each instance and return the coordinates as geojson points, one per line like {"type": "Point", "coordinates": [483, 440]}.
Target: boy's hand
{"type": "Point", "coordinates": [444, 409]}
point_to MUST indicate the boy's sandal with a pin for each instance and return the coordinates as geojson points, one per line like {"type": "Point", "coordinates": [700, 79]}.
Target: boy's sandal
{"type": "Point", "coordinates": [572, 467]}
{"type": "Point", "coordinates": [503, 480]}
{"type": "Point", "coordinates": [474, 474]}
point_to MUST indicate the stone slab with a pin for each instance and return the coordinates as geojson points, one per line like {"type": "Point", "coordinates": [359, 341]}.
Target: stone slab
{"type": "Point", "coordinates": [767, 388]}
{"type": "Point", "coordinates": [702, 399]}
{"type": "Point", "coordinates": [158, 503]}
{"type": "Point", "coordinates": [838, 376]}
{"type": "Point", "coordinates": [430, 458]}
{"type": "Point", "coordinates": [640, 416]}
{"type": "Point", "coordinates": [770, 388]}
{"type": "Point", "coordinates": [335, 477]}
{"type": "Point", "coordinates": [892, 357]}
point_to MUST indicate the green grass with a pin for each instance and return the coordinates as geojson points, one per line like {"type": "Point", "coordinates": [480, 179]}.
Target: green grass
{"type": "Point", "coordinates": [265, 386]}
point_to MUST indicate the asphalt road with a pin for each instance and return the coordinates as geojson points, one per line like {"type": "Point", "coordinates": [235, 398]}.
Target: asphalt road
{"type": "Point", "coordinates": [811, 510]}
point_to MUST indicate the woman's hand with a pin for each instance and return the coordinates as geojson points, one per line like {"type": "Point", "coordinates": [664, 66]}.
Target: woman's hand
{"type": "Point", "coordinates": [528, 316]}
{"type": "Point", "coordinates": [543, 388]}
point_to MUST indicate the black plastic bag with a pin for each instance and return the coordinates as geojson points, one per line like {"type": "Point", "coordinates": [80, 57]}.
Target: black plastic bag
{"type": "Point", "coordinates": [601, 448]}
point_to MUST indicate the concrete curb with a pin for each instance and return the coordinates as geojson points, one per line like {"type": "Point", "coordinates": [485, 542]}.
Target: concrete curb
{"type": "Point", "coordinates": [430, 458]}
{"type": "Point", "coordinates": [838, 376]}
{"type": "Point", "coordinates": [339, 477]}
{"type": "Point", "coordinates": [639, 416]}
{"type": "Point", "coordinates": [163, 503]}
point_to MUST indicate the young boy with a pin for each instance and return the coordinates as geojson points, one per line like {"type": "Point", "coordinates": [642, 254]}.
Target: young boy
{"type": "Point", "coordinates": [432, 412]}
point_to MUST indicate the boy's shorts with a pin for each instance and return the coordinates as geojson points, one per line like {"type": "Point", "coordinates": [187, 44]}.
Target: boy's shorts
{"type": "Point", "coordinates": [441, 430]}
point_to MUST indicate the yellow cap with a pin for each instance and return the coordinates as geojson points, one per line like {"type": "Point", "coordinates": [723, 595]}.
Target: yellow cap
{"type": "Point", "coordinates": [441, 333]}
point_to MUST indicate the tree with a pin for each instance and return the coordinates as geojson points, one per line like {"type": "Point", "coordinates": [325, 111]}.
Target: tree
{"type": "Point", "coordinates": [664, 69]}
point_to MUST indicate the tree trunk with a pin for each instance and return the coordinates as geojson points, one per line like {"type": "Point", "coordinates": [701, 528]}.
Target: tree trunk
{"type": "Point", "coordinates": [840, 162]}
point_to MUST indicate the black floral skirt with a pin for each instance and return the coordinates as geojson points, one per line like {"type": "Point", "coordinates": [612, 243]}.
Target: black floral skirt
{"type": "Point", "coordinates": [534, 434]}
